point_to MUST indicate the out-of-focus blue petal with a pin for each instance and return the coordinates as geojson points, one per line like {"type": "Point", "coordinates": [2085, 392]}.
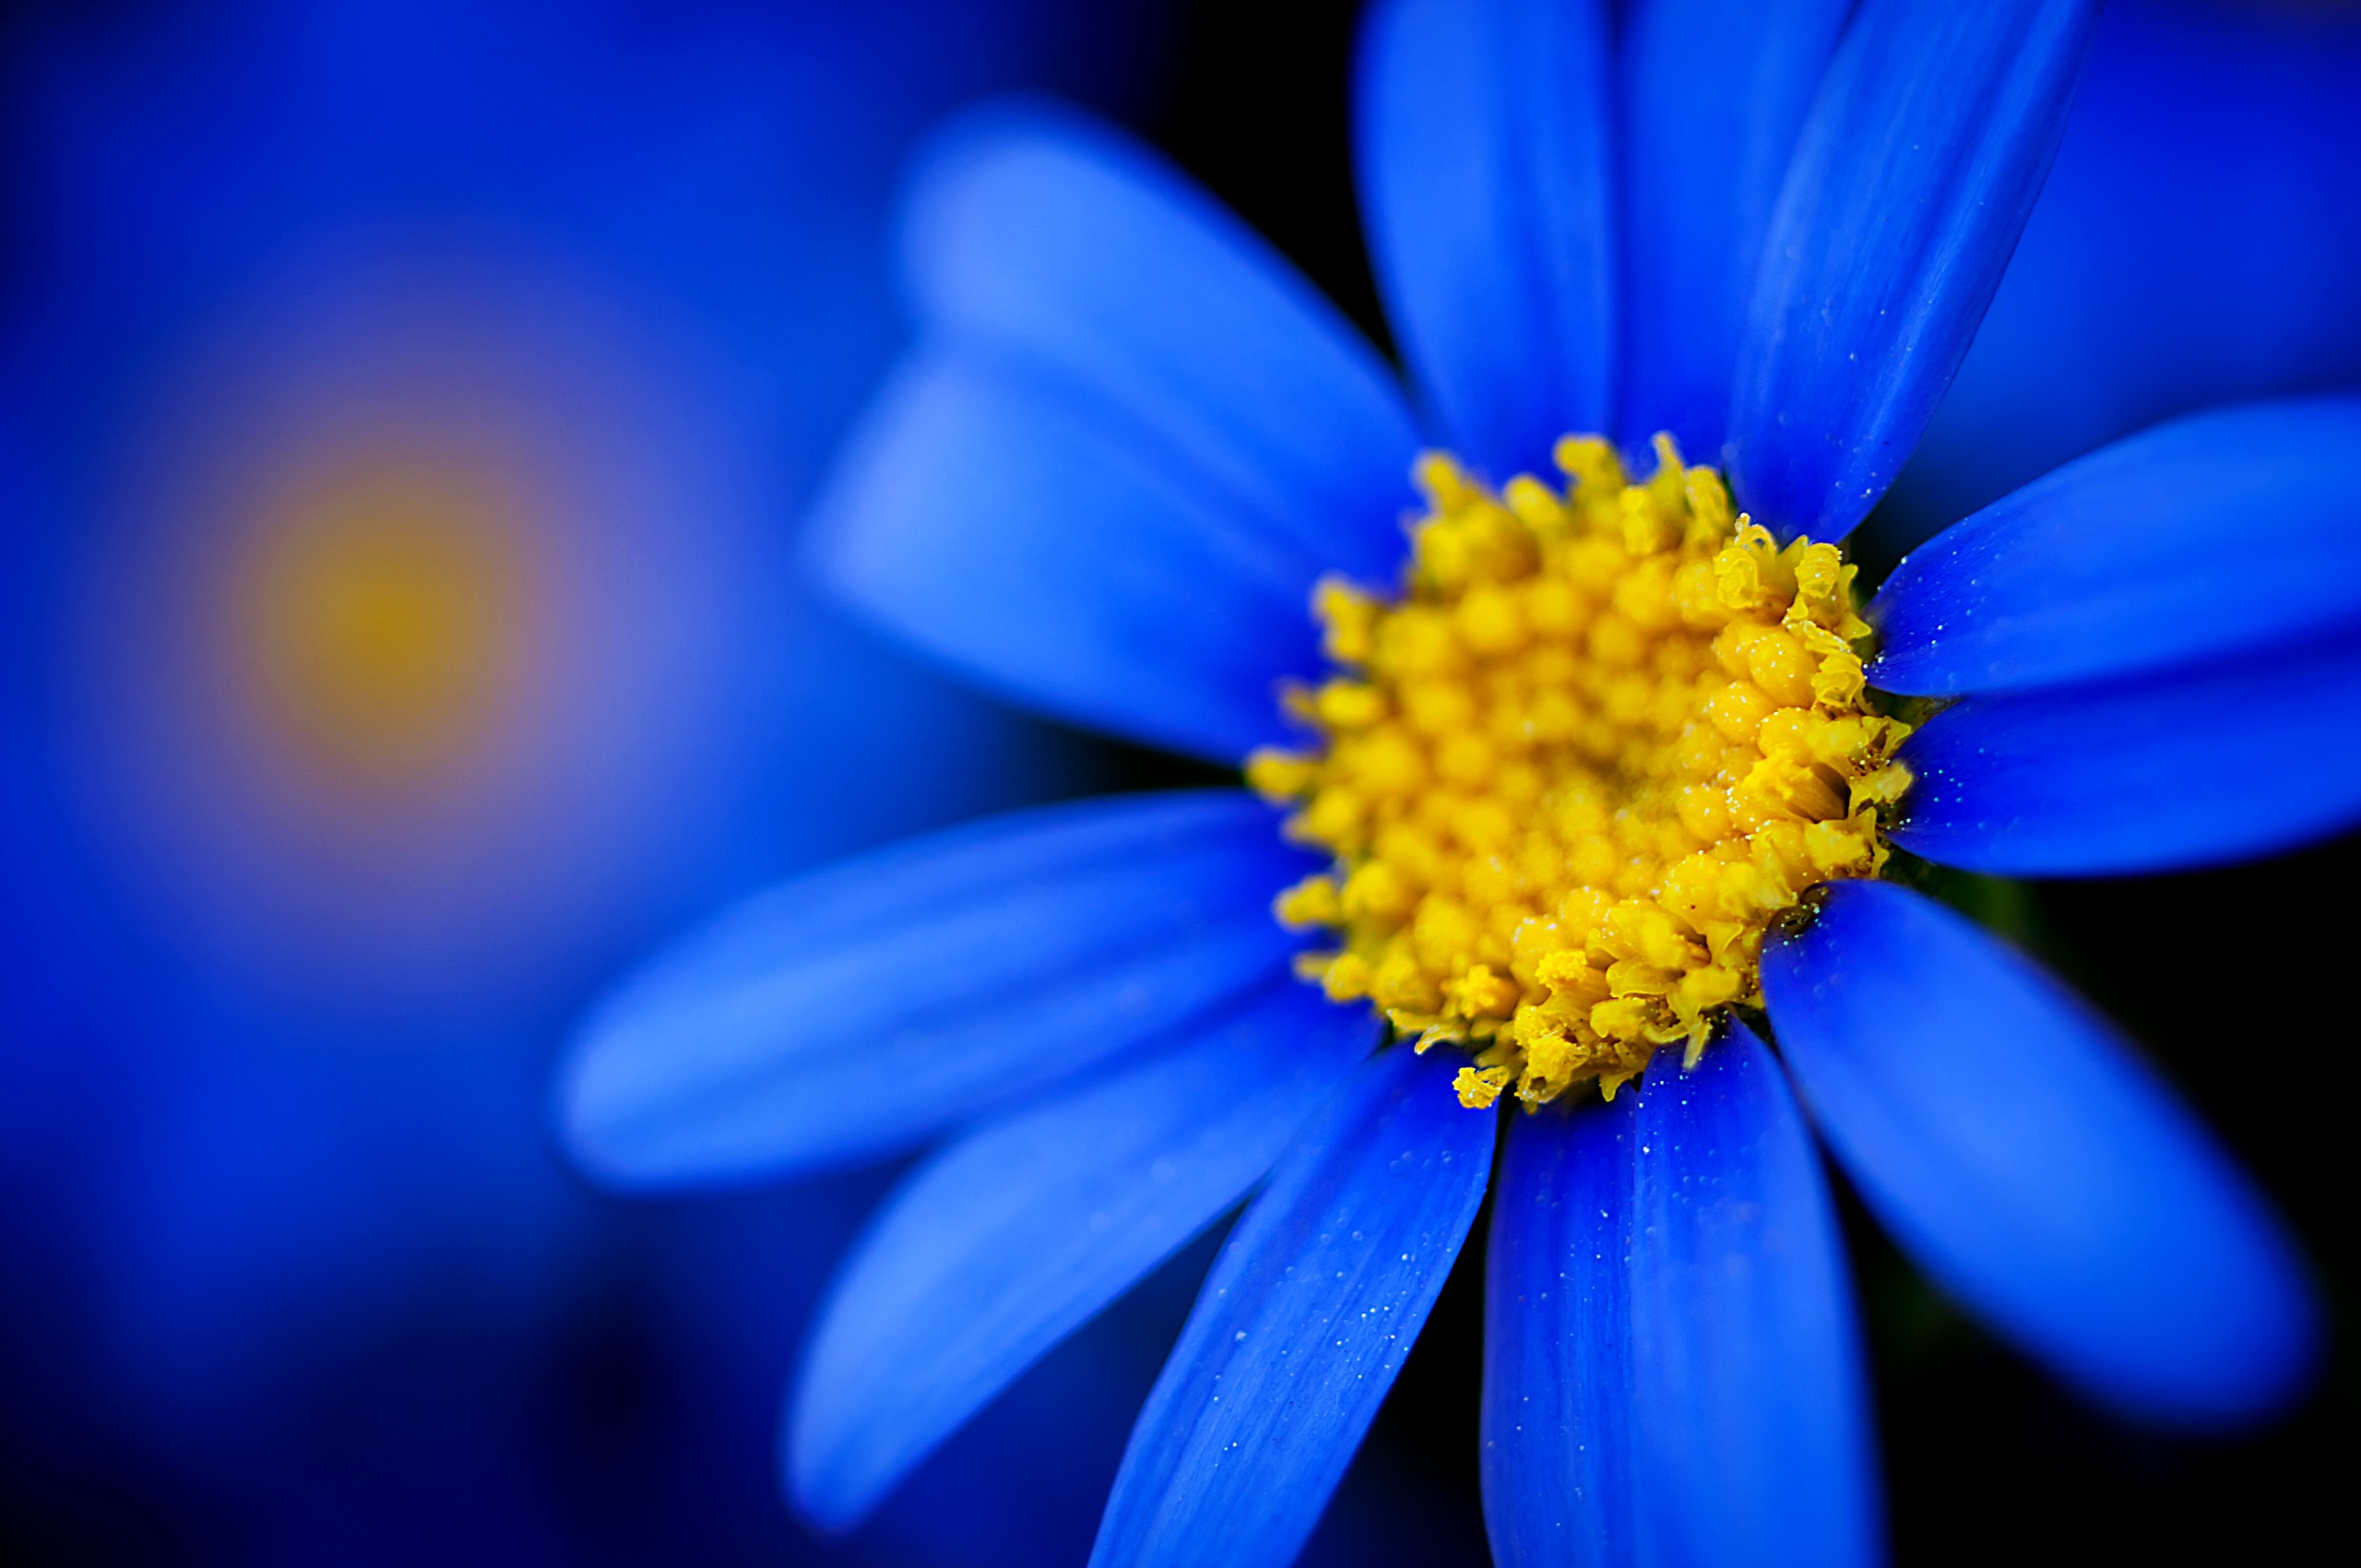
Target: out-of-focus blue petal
{"type": "Point", "coordinates": [856, 1010]}
{"type": "Point", "coordinates": [1302, 1324]}
{"type": "Point", "coordinates": [2213, 535]}
{"type": "Point", "coordinates": [1036, 542]}
{"type": "Point", "coordinates": [1039, 237]}
{"type": "Point", "coordinates": [1017, 1235]}
{"type": "Point", "coordinates": [2021, 1152]}
{"type": "Point", "coordinates": [1917, 168]}
{"type": "Point", "coordinates": [2190, 767]}
{"type": "Point", "coordinates": [2128, 302]}
{"type": "Point", "coordinates": [1481, 147]}
{"type": "Point", "coordinates": [1672, 1369]}
{"type": "Point", "coordinates": [1714, 93]}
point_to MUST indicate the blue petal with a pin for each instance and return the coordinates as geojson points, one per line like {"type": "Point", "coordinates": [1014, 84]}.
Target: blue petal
{"type": "Point", "coordinates": [2128, 302]}
{"type": "Point", "coordinates": [1481, 147]}
{"type": "Point", "coordinates": [2021, 1152]}
{"type": "Point", "coordinates": [1672, 1369]}
{"type": "Point", "coordinates": [1716, 92]}
{"type": "Point", "coordinates": [1918, 166]}
{"type": "Point", "coordinates": [855, 1011]}
{"type": "Point", "coordinates": [1016, 1236]}
{"type": "Point", "coordinates": [2187, 769]}
{"type": "Point", "coordinates": [1035, 543]}
{"type": "Point", "coordinates": [1302, 1324]}
{"type": "Point", "coordinates": [2215, 534]}
{"type": "Point", "coordinates": [1560, 1450]}
{"type": "Point", "coordinates": [1041, 238]}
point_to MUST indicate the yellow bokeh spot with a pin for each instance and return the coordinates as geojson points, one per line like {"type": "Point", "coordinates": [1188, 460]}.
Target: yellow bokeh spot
{"type": "Point", "coordinates": [377, 615]}
{"type": "Point", "coordinates": [1603, 738]}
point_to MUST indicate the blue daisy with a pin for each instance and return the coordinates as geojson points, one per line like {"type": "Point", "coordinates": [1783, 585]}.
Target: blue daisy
{"type": "Point", "coordinates": [1571, 799]}
{"type": "Point", "coordinates": [393, 633]}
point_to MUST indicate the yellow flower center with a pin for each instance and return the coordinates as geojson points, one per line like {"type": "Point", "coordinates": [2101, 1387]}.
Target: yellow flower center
{"type": "Point", "coordinates": [377, 615]}
{"type": "Point", "coordinates": [1603, 738]}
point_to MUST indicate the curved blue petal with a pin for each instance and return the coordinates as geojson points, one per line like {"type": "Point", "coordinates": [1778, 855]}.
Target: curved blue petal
{"type": "Point", "coordinates": [856, 1010]}
{"type": "Point", "coordinates": [1672, 1371]}
{"type": "Point", "coordinates": [1302, 1324]}
{"type": "Point", "coordinates": [1480, 142]}
{"type": "Point", "coordinates": [2216, 534]}
{"type": "Point", "coordinates": [2016, 1146]}
{"type": "Point", "coordinates": [1714, 95]}
{"type": "Point", "coordinates": [2190, 768]}
{"type": "Point", "coordinates": [1030, 540]}
{"type": "Point", "coordinates": [1017, 1235]}
{"type": "Point", "coordinates": [1918, 166]}
{"type": "Point", "coordinates": [1039, 236]}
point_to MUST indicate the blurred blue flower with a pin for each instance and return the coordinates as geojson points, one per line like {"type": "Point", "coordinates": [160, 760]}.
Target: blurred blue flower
{"type": "Point", "coordinates": [1131, 443]}
{"type": "Point", "coordinates": [401, 405]}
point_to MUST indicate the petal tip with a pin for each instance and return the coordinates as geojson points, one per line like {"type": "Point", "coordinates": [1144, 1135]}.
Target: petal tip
{"type": "Point", "coordinates": [823, 1490]}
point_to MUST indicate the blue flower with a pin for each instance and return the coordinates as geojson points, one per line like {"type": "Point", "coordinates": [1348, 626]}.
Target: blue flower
{"type": "Point", "coordinates": [1132, 444]}
{"type": "Point", "coordinates": [395, 400]}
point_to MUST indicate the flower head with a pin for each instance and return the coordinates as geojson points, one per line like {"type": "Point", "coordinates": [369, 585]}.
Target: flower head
{"type": "Point", "coordinates": [1596, 765]}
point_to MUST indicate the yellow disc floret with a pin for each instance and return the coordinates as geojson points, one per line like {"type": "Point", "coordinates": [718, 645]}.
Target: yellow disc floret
{"type": "Point", "coordinates": [1602, 740]}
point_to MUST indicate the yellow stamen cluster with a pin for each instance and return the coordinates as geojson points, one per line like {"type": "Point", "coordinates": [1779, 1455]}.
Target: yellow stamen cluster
{"type": "Point", "coordinates": [1571, 776]}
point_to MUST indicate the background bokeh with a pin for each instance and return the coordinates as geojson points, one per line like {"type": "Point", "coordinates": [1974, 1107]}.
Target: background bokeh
{"type": "Point", "coordinates": [405, 413]}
